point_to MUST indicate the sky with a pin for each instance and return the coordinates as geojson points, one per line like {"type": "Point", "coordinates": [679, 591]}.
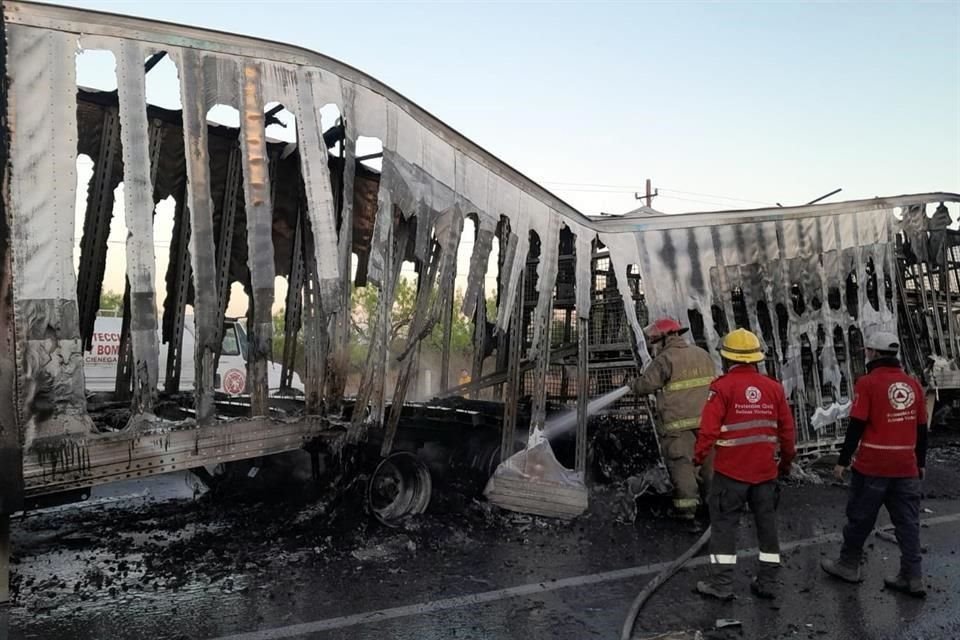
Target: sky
{"type": "Point", "coordinates": [722, 105]}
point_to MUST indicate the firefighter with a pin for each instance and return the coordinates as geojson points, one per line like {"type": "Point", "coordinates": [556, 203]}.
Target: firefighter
{"type": "Point", "coordinates": [745, 420]}
{"type": "Point", "coordinates": [888, 431]}
{"type": "Point", "coordinates": [680, 374]}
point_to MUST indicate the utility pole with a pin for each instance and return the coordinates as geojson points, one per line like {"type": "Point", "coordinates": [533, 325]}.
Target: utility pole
{"type": "Point", "coordinates": [650, 194]}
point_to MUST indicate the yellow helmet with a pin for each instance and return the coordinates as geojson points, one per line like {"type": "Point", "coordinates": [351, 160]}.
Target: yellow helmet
{"type": "Point", "coordinates": [741, 345]}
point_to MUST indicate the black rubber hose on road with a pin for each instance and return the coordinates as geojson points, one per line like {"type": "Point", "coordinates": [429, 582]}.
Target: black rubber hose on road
{"type": "Point", "coordinates": [658, 580]}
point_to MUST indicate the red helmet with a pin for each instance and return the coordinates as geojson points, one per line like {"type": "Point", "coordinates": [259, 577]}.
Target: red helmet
{"type": "Point", "coordinates": [661, 328]}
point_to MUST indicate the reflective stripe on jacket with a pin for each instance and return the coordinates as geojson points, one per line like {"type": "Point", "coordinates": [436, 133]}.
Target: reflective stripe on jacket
{"type": "Point", "coordinates": [680, 375]}
{"type": "Point", "coordinates": [746, 419]}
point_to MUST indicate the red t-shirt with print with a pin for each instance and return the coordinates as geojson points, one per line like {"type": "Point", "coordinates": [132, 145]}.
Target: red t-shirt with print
{"type": "Point", "coordinates": [891, 403]}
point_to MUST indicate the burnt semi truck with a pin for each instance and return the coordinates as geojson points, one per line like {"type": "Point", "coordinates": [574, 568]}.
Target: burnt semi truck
{"type": "Point", "coordinates": [572, 291]}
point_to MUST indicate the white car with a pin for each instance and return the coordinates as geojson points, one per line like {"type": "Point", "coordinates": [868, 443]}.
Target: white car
{"type": "Point", "coordinates": [100, 363]}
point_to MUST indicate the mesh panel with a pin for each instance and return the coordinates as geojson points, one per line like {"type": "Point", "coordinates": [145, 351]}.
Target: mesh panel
{"type": "Point", "coordinates": [561, 384]}
{"type": "Point", "coordinates": [608, 322]}
{"type": "Point", "coordinates": [608, 325]}
{"type": "Point", "coordinates": [606, 379]}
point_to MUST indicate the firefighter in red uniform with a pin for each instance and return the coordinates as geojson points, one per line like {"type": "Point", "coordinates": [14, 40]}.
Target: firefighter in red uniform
{"type": "Point", "coordinates": [746, 419]}
{"type": "Point", "coordinates": [888, 431]}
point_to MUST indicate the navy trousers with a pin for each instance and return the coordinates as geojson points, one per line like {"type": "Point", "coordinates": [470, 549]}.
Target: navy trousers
{"type": "Point", "coordinates": [726, 501]}
{"type": "Point", "coordinates": [901, 497]}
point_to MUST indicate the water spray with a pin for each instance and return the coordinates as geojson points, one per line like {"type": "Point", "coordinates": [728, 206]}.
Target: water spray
{"type": "Point", "coordinates": [564, 421]}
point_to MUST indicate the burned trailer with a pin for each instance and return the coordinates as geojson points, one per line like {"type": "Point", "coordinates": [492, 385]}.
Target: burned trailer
{"type": "Point", "coordinates": [811, 281]}
{"type": "Point", "coordinates": [247, 210]}
{"type": "Point", "coordinates": [317, 214]}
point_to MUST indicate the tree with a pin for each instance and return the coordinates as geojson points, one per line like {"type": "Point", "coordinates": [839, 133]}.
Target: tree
{"type": "Point", "coordinates": [363, 315]}
{"type": "Point", "coordinates": [404, 305]}
{"type": "Point", "coordinates": [111, 303]}
{"type": "Point", "coordinates": [365, 300]}
{"type": "Point", "coordinates": [279, 340]}
{"type": "Point", "coordinates": [461, 331]}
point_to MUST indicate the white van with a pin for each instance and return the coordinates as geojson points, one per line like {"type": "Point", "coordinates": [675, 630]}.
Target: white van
{"type": "Point", "coordinates": [100, 363]}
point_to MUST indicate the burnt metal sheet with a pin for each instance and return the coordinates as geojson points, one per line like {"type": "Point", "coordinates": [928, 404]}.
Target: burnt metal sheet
{"type": "Point", "coordinates": [259, 214]}
{"type": "Point", "coordinates": [584, 265]}
{"type": "Point", "coordinates": [11, 454]}
{"type": "Point", "coordinates": [546, 282]}
{"type": "Point", "coordinates": [371, 387]}
{"type": "Point", "coordinates": [512, 391]}
{"type": "Point", "coordinates": [542, 325]}
{"type": "Point", "coordinates": [479, 262]}
{"type": "Point", "coordinates": [379, 261]}
{"type": "Point", "coordinates": [43, 138]}
{"type": "Point", "coordinates": [342, 317]}
{"type": "Point", "coordinates": [319, 195]}
{"type": "Point", "coordinates": [138, 208]}
{"type": "Point", "coordinates": [479, 340]}
{"type": "Point", "coordinates": [798, 252]}
{"type": "Point", "coordinates": [202, 245]}
{"type": "Point", "coordinates": [517, 249]}
{"type": "Point", "coordinates": [398, 247]}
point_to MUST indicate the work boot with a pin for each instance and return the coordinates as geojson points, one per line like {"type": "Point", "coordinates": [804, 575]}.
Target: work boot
{"type": "Point", "coordinates": [911, 586]}
{"type": "Point", "coordinates": [684, 514]}
{"type": "Point", "coordinates": [724, 593]}
{"type": "Point", "coordinates": [842, 570]}
{"type": "Point", "coordinates": [695, 526]}
{"type": "Point", "coordinates": [762, 590]}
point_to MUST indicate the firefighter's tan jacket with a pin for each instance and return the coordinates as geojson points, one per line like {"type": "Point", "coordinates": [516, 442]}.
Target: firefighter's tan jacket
{"type": "Point", "coordinates": [680, 375]}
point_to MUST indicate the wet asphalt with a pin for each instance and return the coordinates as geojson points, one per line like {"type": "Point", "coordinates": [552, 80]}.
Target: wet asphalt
{"type": "Point", "coordinates": [483, 575]}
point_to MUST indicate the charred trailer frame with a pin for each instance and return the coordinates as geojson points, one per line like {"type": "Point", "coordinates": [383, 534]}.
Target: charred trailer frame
{"type": "Point", "coordinates": [11, 445]}
{"type": "Point", "coordinates": [811, 281]}
{"type": "Point", "coordinates": [249, 210]}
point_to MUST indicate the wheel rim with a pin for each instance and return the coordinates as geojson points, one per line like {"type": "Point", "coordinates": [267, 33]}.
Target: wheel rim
{"type": "Point", "coordinates": [400, 486]}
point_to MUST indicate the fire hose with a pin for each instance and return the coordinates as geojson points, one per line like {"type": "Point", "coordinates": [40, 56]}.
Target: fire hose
{"type": "Point", "coordinates": [642, 597]}
{"type": "Point", "coordinates": [627, 632]}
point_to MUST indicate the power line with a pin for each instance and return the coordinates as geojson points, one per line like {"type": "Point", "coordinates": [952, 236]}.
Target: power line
{"type": "Point", "coordinates": [707, 195]}
{"type": "Point", "coordinates": [711, 203]}
{"type": "Point", "coordinates": [714, 203]}
{"type": "Point", "coordinates": [592, 187]}
{"type": "Point", "coordinates": [600, 189]}
{"type": "Point", "coordinates": [624, 187]}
